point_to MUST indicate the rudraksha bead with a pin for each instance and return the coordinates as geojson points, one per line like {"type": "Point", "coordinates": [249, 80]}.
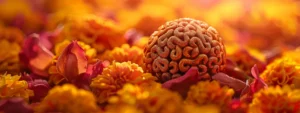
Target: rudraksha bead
{"type": "Point", "coordinates": [181, 44]}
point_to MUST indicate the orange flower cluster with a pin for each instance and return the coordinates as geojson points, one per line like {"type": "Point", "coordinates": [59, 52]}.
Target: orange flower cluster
{"type": "Point", "coordinates": [11, 86]}
{"type": "Point", "coordinates": [149, 99]}
{"type": "Point", "coordinates": [68, 99]}
{"type": "Point", "coordinates": [93, 31]}
{"type": "Point", "coordinates": [115, 76]}
{"type": "Point", "coordinates": [123, 54]}
{"type": "Point", "coordinates": [283, 71]}
{"type": "Point", "coordinates": [149, 56]}
{"type": "Point", "coordinates": [276, 100]}
{"type": "Point", "coordinates": [11, 40]}
{"type": "Point", "coordinates": [205, 93]}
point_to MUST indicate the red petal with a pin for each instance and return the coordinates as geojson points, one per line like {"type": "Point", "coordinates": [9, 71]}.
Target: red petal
{"type": "Point", "coordinates": [182, 84]}
{"type": "Point", "coordinates": [40, 89]}
{"type": "Point", "coordinates": [224, 79]}
{"type": "Point", "coordinates": [258, 83]}
{"type": "Point", "coordinates": [36, 56]}
{"type": "Point", "coordinates": [72, 62]}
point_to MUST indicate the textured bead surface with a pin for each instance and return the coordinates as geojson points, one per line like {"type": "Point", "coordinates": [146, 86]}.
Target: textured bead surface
{"type": "Point", "coordinates": [181, 44]}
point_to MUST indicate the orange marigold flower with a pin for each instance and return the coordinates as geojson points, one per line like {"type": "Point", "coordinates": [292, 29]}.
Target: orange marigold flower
{"type": "Point", "coordinates": [246, 58]}
{"type": "Point", "coordinates": [211, 108]}
{"type": "Point", "coordinates": [206, 92]}
{"type": "Point", "coordinates": [276, 100]}
{"type": "Point", "coordinates": [123, 109]}
{"type": "Point", "coordinates": [125, 53]}
{"type": "Point", "coordinates": [293, 54]}
{"type": "Point", "coordinates": [11, 86]}
{"type": "Point", "coordinates": [101, 34]}
{"type": "Point", "coordinates": [115, 76]}
{"type": "Point", "coordinates": [282, 71]}
{"type": "Point", "coordinates": [141, 43]}
{"type": "Point", "coordinates": [68, 99]}
{"type": "Point", "coordinates": [10, 41]}
{"type": "Point", "coordinates": [149, 99]}
{"type": "Point", "coordinates": [89, 51]}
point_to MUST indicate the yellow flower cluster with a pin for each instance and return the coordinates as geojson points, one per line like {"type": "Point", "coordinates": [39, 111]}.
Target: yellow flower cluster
{"type": "Point", "coordinates": [149, 99]}
{"type": "Point", "coordinates": [282, 71]}
{"type": "Point", "coordinates": [68, 99]}
{"type": "Point", "coordinates": [11, 86]}
{"type": "Point", "coordinates": [205, 93]}
{"type": "Point", "coordinates": [115, 76]}
{"type": "Point", "coordinates": [125, 53]}
{"type": "Point", "coordinates": [276, 100]}
{"type": "Point", "coordinates": [10, 41]}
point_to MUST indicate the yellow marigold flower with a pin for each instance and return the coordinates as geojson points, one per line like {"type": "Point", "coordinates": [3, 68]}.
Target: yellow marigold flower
{"type": "Point", "coordinates": [10, 86]}
{"type": "Point", "coordinates": [89, 51]}
{"type": "Point", "coordinates": [68, 99]}
{"type": "Point", "coordinates": [282, 71]}
{"type": "Point", "coordinates": [141, 43]}
{"type": "Point", "coordinates": [211, 108]}
{"type": "Point", "coordinates": [293, 54]}
{"type": "Point", "coordinates": [206, 92]}
{"type": "Point", "coordinates": [125, 53]}
{"type": "Point", "coordinates": [276, 100]}
{"type": "Point", "coordinates": [123, 109]}
{"type": "Point", "coordinates": [149, 99]}
{"type": "Point", "coordinates": [115, 76]}
{"type": "Point", "coordinates": [10, 41]}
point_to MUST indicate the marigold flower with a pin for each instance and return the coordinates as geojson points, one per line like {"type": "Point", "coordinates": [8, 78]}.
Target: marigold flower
{"type": "Point", "coordinates": [21, 14]}
{"type": "Point", "coordinates": [276, 100]}
{"type": "Point", "coordinates": [89, 51]}
{"type": "Point", "coordinates": [206, 92]}
{"type": "Point", "coordinates": [125, 53]}
{"type": "Point", "coordinates": [101, 34]}
{"type": "Point", "coordinates": [68, 99]}
{"type": "Point", "coordinates": [141, 43]}
{"type": "Point", "coordinates": [115, 76]}
{"type": "Point", "coordinates": [211, 108]}
{"type": "Point", "coordinates": [150, 99]}
{"type": "Point", "coordinates": [11, 86]}
{"type": "Point", "coordinates": [282, 71]}
{"type": "Point", "coordinates": [246, 59]}
{"type": "Point", "coordinates": [10, 41]}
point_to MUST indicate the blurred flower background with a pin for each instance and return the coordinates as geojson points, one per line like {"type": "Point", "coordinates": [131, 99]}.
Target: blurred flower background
{"type": "Point", "coordinates": [46, 44]}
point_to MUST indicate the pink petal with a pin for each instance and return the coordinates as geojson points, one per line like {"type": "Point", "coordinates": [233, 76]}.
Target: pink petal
{"type": "Point", "coordinates": [72, 62]}
{"type": "Point", "coordinates": [15, 105]}
{"type": "Point", "coordinates": [234, 71]}
{"type": "Point", "coordinates": [35, 56]}
{"type": "Point", "coordinates": [258, 83]}
{"type": "Point", "coordinates": [96, 68]}
{"type": "Point", "coordinates": [182, 84]}
{"type": "Point", "coordinates": [234, 83]}
{"type": "Point", "coordinates": [132, 36]}
{"type": "Point", "coordinates": [40, 88]}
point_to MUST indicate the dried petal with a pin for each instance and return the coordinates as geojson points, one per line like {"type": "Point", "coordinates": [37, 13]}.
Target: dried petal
{"type": "Point", "coordinates": [36, 56]}
{"type": "Point", "coordinates": [224, 79]}
{"type": "Point", "coordinates": [40, 89]}
{"type": "Point", "coordinates": [14, 105]}
{"type": "Point", "coordinates": [182, 84]}
{"type": "Point", "coordinates": [72, 62]}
